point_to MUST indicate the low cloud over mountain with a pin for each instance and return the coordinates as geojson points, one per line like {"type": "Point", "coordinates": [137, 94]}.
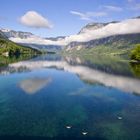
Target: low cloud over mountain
{"type": "Point", "coordinates": [129, 26]}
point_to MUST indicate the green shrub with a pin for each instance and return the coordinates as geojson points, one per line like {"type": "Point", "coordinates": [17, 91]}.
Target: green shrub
{"type": "Point", "coordinates": [135, 53]}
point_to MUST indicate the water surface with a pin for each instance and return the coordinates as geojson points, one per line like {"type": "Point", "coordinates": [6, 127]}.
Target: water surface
{"type": "Point", "coordinates": [54, 96]}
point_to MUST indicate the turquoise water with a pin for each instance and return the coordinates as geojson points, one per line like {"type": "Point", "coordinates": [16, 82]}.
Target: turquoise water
{"type": "Point", "coordinates": [50, 96]}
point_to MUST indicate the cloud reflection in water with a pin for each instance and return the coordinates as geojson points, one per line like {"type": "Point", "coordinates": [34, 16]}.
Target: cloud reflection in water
{"type": "Point", "coordinates": [126, 84]}
{"type": "Point", "coordinates": [33, 85]}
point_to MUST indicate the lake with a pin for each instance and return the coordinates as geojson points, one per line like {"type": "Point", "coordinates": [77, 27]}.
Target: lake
{"type": "Point", "coordinates": [81, 97]}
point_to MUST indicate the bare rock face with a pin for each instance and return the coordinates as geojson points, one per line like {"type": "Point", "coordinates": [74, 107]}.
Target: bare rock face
{"type": "Point", "coordinates": [92, 26]}
{"type": "Point", "coordinates": [16, 34]}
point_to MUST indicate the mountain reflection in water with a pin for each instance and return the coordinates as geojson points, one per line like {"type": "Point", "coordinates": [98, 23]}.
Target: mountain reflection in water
{"type": "Point", "coordinates": [86, 73]}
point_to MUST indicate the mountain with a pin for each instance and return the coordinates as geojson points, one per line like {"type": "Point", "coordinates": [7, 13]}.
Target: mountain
{"type": "Point", "coordinates": [47, 48]}
{"type": "Point", "coordinates": [8, 47]}
{"type": "Point", "coordinates": [116, 37]}
{"type": "Point", "coordinates": [116, 40]}
{"type": "Point", "coordinates": [16, 34]}
{"type": "Point", "coordinates": [55, 38]}
{"type": "Point", "coordinates": [27, 39]}
{"type": "Point", "coordinates": [2, 35]}
{"type": "Point", "coordinates": [94, 26]}
{"type": "Point", "coordinates": [91, 26]}
{"type": "Point", "coordinates": [119, 43]}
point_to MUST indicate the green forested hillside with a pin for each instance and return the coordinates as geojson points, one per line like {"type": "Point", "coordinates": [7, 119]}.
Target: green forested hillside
{"type": "Point", "coordinates": [11, 48]}
{"type": "Point", "coordinates": [113, 45]}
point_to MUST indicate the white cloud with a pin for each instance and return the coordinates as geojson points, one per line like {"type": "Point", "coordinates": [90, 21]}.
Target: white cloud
{"type": "Point", "coordinates": [35, 20]}
{"type": "Point", "coordinates": [88, 15]}
{"type": "Point", "coordinates": [124, 27]}
{"type": "Point", "coordinates": [113, 8]}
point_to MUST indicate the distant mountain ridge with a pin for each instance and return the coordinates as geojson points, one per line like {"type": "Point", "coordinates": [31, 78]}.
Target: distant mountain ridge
{"type": "Point", "coordinates": [2, 35]}
{"type": "Point", "coordinates": [55, 38]}
{"type": "Point", "coordinates": [121, 34]}
{"type": "Point", "coordinates": [11, 34]}
{"type": "Point", "coordinates": [94, 26]}
{"type": "Point", "coordinates": [125, 39]}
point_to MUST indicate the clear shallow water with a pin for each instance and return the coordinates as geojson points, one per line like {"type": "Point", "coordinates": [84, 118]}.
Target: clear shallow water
{"type": "Point", "coordinates": [51, 96]}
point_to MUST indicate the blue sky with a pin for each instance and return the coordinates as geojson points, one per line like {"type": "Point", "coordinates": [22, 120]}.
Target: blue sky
{"type": "Point", "coordinates": [66, 16]}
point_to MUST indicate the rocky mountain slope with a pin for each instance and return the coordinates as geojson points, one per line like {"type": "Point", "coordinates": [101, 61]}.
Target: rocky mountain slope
{"type": "Point", "coordinates": [94, 26]}
{"type": "Point", "coordinates": [16, 34]}
{"type": "Point", "coordinates": [117, 40]}
{"type": "Point", "coordinates": [55, 38]}
{"type": "Point", "coordinates": [119, 43]}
